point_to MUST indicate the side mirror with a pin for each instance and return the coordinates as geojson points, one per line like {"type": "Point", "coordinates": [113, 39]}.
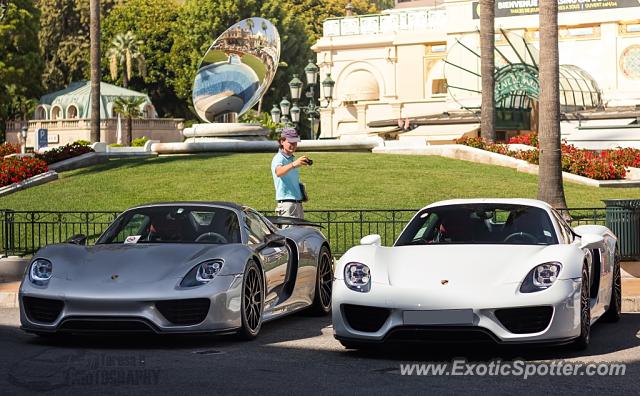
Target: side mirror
{"type": "Point", "coordinates": [373, 239]}
{"type": "Point", "coordinates": [78, 239]}
{"type": "Point", "coordinates": [275, 240]}
{"type": "Point", "coordinates": [591, 241]}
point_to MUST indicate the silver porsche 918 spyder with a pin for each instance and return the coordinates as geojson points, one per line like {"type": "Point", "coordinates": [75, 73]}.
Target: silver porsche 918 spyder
{"type": "Point", "coordinates": [188, 267]}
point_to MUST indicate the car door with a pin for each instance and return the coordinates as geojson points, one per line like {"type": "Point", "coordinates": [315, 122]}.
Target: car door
{"type": "Point", "coordinates": [274, 258]}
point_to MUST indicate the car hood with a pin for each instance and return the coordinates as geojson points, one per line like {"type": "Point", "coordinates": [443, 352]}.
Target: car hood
{"type": "Point", "coordinates": [129, 263]}
{"type": "Point", "coordinates": [460, 266]}
{"type": "Point", "coordinates": [463, 267]}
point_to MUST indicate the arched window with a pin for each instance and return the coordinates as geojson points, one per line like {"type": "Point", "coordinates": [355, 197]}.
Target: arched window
{"type": "Point", "coordinates": [41, 113]}
{"type": "Point", "coordinates": [56, 112]}
{"type": "Point", "coordinates": [72, 111]}
{"type": "Point", "coordinates": [359, 85]}
{"type": "Point", "coordinates": [148, 111]}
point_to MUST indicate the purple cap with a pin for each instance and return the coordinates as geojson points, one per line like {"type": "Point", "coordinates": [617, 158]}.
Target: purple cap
{"type": "Point", "coordinates": [290, 134]}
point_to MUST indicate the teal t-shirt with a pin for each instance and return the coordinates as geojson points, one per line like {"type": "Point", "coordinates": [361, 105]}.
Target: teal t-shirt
{"type": "Point", "coordinates": [287, 186]}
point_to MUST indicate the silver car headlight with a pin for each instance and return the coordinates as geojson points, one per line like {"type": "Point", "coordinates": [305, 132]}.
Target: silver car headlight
{"type": "Point", "coordinates": [40, 271]}
{"type": "Point", "coordinates": [202, 273]}
{"type": "Point", "coordinates": [357, 276]}
{"type": "Point", "coordinates": [541, 277]}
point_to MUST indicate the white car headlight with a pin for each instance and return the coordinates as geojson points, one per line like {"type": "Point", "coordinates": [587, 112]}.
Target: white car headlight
{"type": "Point", "coordinates": [541, 277]}
{"type": "Point", "coordinates": [40, 271]}
{"type": "Point", "coordinates": [357, 276]}
{"type": "Point", "coordinates": [202, 273]}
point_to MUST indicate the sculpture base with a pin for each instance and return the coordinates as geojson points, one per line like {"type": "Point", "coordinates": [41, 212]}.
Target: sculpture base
{"type": "Point", "coordinates": [235, 131]}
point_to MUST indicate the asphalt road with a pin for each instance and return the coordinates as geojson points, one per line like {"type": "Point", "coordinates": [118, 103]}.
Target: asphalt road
{"type": "Point", "coordinates": [298, 355]}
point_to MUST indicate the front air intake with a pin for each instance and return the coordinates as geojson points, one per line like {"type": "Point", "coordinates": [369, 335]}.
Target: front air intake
{"type": "Point", "coordinates": [43, 310]}
{"type": "Point", "coordinates": [363, 318]}
{"type": "Point", "coordinates": [525, 320]}
{"type": "Point", "coordinates": [184, 312]}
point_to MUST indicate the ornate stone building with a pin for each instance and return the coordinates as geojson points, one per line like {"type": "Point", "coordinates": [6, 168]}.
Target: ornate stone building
{"type": "Point", "coordinates": [419, 63]}
{"type": "Point", "coordinates": [66, 116]}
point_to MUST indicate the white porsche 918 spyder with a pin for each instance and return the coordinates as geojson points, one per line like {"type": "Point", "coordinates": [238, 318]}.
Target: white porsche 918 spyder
{"type": "Point", "coordinates": [498, 270]}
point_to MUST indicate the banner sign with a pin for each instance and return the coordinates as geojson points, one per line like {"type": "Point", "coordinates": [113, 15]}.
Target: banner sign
{"type": "Point", "coordinates": [510, 8]}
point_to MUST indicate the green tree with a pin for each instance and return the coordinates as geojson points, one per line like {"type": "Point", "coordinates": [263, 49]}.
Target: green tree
{"type": "Point", "coordinates": [64, 40]}
{"type": "Point", "coordinates": [63, 44]}
{"type": "Point", "coordinates": [129, 108]}
{"type": "Point", "coordinates": [152, 20]}
{"type": "Point", "coordinates": [124, 51]}
{"type": "Point", "coordinates": [20, 63]}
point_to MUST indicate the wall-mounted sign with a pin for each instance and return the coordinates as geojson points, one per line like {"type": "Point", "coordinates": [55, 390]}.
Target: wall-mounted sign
{"type": "Point", "coordinates": [42, 138]}
{"type": "Point", "coordinates": [510, 8]}
{"type": "Point", "coordinates": [516, 79]}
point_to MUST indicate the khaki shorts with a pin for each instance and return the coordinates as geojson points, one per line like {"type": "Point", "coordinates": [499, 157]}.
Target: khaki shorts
{"type": "Point", "coordinates": [290, 209]}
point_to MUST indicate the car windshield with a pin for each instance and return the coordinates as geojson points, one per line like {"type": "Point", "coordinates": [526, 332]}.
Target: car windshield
{"type": "Point", "coordinates": [480, 224]}
{"type": "Point", "coordinates": [174, 224]}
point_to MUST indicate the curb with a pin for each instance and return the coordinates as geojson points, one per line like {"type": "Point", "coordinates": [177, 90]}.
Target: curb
{"type": "Point", "coordinates": [631, 304]}
{"type": "Point", "coordinates": [30, 182]}
{"type": "Point", "coordinates": [9, 294]}
{"type": "Point", "coordinates": [9, 300]}
{"type": "Point", "coordinates": [472, 154]}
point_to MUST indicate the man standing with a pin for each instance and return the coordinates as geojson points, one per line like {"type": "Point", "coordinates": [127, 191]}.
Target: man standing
{"type": "Point", "coordinates": [286, 175]}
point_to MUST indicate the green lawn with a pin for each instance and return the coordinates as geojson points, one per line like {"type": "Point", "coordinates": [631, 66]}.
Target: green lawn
{"type": "Point", "coordinates": [335, 181]}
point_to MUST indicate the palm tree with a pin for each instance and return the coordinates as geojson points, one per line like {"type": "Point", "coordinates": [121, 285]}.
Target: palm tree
{"type": "Point", "coordinates": [94, 31]}
{"type": "Point", "coordinates": [487, 67]}
{"type": "Point", "coordinates": [129, 108]}
{"type": "Point", "coordinates": [21, 108]}
{"type": "Point", "coordinates": [125, 49]}
{"type": "Point", "coordinates": [550, 188]}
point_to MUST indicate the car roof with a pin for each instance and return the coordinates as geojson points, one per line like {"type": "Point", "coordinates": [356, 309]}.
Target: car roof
{"type": "Point", "coordinates": [512, 201]}
{"type": "Point", "coordinates": [219, 204]}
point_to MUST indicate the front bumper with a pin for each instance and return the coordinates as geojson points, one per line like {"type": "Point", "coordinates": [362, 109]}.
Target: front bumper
{"type": "Point", "coordinates": [563, 297]}
{"type": "Point", "coordinates": [128, 309]}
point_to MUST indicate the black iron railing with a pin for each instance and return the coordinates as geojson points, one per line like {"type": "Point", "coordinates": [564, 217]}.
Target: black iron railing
{"type": "Point", "coordinates": [24, 232]}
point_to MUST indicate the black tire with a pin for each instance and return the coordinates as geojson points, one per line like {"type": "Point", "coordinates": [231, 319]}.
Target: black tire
{"type": "Point", "coordinates": [615, 306]}
{"type": "Point", "coordinates": [582, 342]}
{"type": "Point", "coordinates": [252, 302]}
{"type": "Point", "coordinates": [324, 282]}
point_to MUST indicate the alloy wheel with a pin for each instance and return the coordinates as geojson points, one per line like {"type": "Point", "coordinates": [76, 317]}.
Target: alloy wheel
{"type": "Point", "coordinates": [325, 280]}
{"type": "Point", "coordinates": [253, 299]}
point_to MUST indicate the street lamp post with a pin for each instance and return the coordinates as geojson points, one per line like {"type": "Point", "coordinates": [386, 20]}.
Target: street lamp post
{"type": "Point", "coordinates": [23, 139]}
{"type": "Point", "coordinates": [312, 109]}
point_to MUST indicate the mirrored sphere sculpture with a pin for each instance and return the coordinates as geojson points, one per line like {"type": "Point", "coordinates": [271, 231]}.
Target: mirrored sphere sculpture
{"type": "Point", "coordinates": [236, 70]}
